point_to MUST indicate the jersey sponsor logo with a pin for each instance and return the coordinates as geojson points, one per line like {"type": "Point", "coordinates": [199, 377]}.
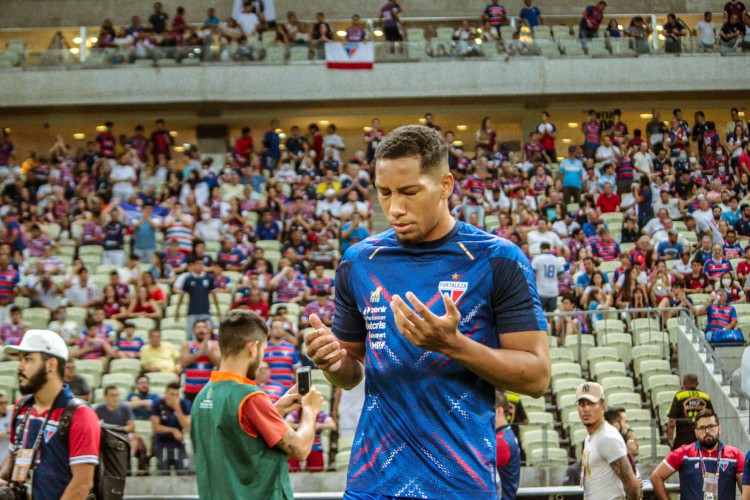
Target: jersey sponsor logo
{"type": "Point", "coordinates": [375, 295]}
{"type": "Point", "coordinates": [455, 289]}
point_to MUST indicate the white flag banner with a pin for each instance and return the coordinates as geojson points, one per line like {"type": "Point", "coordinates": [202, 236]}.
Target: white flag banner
{"type": "Point", "coordinates": [350, 55]}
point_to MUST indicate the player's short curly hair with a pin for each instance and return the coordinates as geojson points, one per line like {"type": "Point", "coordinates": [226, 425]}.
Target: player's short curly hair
{"type": "Point", "coordinates": [415, 140]}
{"type": "Point", "coordinates": [237, 328]}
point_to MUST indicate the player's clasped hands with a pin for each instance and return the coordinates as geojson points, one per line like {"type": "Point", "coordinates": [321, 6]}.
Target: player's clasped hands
{"type": "Point", "coordinates": [422, 327]}
{"type": "Point", "coordinates": [323, 347]}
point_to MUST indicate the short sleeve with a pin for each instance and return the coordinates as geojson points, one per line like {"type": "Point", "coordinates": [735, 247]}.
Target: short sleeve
{"type": "Point", "coordinates": [674, 408]}
{"type": "Point", "coordinates": [186, 285]}
{"type": "Point", "coordinates": [503, 452]}
{"type": "Point", "coordinates": [155, 409]}
{"type": "Point", "coordinates": [613, 448]}
{"type": "Point", "coordinates": [84, 437]}
{"type": "Point", "coordinates": [259, 417]}
{"type": "Point", "coordinates": [515, 301]}
{"type": "Point", "coordinates": [675, 458]}
{"type": "Point", "coordinates": [746, 471]}
{"type": "Point", "coordinates": [348, 323]}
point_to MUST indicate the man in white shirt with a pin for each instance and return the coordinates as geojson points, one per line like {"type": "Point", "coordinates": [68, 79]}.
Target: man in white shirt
{"type": "Point", "coordinates": [246, 17]}
{"type": "Point", "coordinates": [643, 162]}
{"type": "Point", "coordinates": [657, 224]}
{"type": "Point", "coordinates": [542, 234]}
{"type": "Point", "coordinates": [333, 142]}
{"type": "Point", "coordinates": [606, 153]}
{"type": "Point", "coordinates": [122, 176]}
{"type": "Point", "coordinates": [208, 228]}
{"type": "Point", "coordinates": [706, 32]}
{"type": "Point", "coordinates": [606, 470]}
{"type": "Point", "coordinates": [329, 204]}
{"type": "Point", "coordinates": [547, 268]}
{"type": "Point", "coordinates": [668, 203]}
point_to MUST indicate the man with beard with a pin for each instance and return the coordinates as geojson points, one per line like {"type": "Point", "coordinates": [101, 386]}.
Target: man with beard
{"type": "Point", "coordinates": [708, 468]}
{"type": "Point", "coordinates": [240, 438]}
{"type": "Point", "coordinates": [67, 470]}
{"type": "Point", "coordinates": [606, 470]}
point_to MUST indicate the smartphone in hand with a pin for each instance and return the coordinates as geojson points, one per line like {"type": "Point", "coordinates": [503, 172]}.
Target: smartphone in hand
{"type": "Point", "coordinates": [304, 380]}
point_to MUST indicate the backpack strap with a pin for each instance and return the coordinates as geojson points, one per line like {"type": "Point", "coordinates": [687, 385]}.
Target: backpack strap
{"type": "Point", "coordinates": [63, 427]}
{"type": "Point", "coordinates": [23, 403]}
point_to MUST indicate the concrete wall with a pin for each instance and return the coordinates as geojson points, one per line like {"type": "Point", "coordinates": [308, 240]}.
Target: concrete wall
{"type": "Point", "coordinates": [532, 79]}
{"type": "Point", "coordinates": [51, 13]}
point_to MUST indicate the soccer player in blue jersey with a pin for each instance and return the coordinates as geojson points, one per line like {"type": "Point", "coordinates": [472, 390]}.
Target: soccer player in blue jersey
{"type": "Point", "coordinates": [437, 314]}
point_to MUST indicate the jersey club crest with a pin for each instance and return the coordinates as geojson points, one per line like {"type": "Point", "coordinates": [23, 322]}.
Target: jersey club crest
{"type": "Point", "coordinates": [455, 289]}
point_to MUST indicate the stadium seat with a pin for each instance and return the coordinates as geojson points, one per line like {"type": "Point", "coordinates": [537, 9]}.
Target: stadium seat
{"type": "Point", "coordinates": [654, 338]}
{"type": "Point", "coordinates": [661, 382]}
{"type": "Point", "coordinates": [161, 379]}
{"type": "Point", "coordinates": [93, 367]}
{"type": "Point", "coordinates": [554, 456]}
{"type": "Point", "coordinates": [291, 308]}
{"type": "Point", "coordinates": [587, 341]}
{"type": "Point", "coordinates": [538, 438]}
{"type": "Point", "coordinates": [661, 401]}
{"type": "Point", "coordinates": [174, 337]}
{"type": "Point", "coordinates": [609, 267]}
{"type": "Point", "coordinates": [601, 353]}
{"type": "Point", "coordinates": [653, 367]}
{"type": "Point", "coordinates": [91, 381]}
{"type": "Point", "coordinates": [562, 354]}
{"type": "Point", "coordinates": [566, 370]}
{"type": "Point", "coordinates": [299, 54]}
{"type": "Point", "coordinates": [645, 352]}
{"type": "Point", "coordinates": [547, 48]}
{"type": "Point", "coordinates": [624, 399]}
{"type": "Point", "coordinates": [608, 369]}
{"type": "Point", "coordinates": [22, 302]}
{"type": "Point", "coordinates": [609, 325]}
{"type": "Point", "coordinates": [617, 384]}
{"type": "Point", "coordinates": [572, 48]}
{"type": "Point", "coordinates": [77, 315]}
{"type": "Point", "coordinates": [172, 324]}
{"type": "Point", "coordinates": [124, 380]}
{"type": "Point", "coordinates": [699, 299]}
{"type": "Point", "coordinates": [562, 386]}
{"type": "Point", "coordinates": [97, 250]}
{"type": "Point", "coordinates": [643, 325]}
{"type": "Point", "coordinates": [566, 401]}
{"type": "Point", "coordinates": [143, 323]}
{"type": "Point", "coordinates": [623, 342]}
{"type": "Point", "coordinates": [9, 369]}
{"type": "Point", "coordinates": [344, 444]}
{"type": "Point", "coordinates": [37, 317]}
{"type": "Point", "coordinates": [533, 404]}
{"type": "Point", "coordinates": [562, 32]}
{"type": "Point", "coordinates": [652, 455]}
{"type": "Point", "coordinates": [342, 461]}
{"type": "Point", "coordinates": [538, 419]}
{"type": "Point", "coordinates": [268, 245]}
{"type": "Point", "coordinates": [639, 415]}
{"type": "Point", "coordinates": [115, 324]}
{"type": "Point", "coordinates": [577, 438]}
{"type": "Point", "coordinates": [645, 434]}
{"type": "Point", "coordinates": [126, 365]}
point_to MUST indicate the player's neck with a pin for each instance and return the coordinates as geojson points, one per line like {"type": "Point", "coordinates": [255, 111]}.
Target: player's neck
{"type": "Point", "coordinates": [235, 365]}
{"type": "Point", "coordinates": [595, 427]}
{"type": "Point", "coordinates": [442, 229]}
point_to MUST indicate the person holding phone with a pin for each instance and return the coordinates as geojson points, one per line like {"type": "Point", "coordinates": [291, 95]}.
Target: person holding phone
{"type": "Point", "coordinates": [241, 439]}
{"type": "Point", "coordinates": [437, 314]}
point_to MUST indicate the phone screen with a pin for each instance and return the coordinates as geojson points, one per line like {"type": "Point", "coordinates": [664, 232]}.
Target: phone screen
{"type": "Point", "coordinates": [303, 380]}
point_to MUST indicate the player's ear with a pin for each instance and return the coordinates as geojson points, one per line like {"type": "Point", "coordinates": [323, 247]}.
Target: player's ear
{"type": "Point", "coordinates": [446, 185]}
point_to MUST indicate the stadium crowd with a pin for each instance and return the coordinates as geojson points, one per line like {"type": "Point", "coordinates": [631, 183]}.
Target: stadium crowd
{"type": "Point", "coordinates": [132, 251]}
{"type": "Point", "coordinates": [253, 25]}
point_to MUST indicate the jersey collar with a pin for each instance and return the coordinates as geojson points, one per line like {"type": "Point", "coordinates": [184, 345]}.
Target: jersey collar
{"type": "Point", "coordinates": [427, 245]}
{"type": "Point", "coordinates": [225, 376]}
{"type": "Point", "coordinates": [720, 448]}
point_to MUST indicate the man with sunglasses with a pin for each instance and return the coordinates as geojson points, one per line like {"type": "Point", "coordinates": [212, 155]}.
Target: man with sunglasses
{"type": "Point", "coordinates": [709, 469]}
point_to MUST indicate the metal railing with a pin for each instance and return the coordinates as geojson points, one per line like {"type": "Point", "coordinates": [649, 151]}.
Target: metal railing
{"type": "Point", "coordinates": [720, 368]}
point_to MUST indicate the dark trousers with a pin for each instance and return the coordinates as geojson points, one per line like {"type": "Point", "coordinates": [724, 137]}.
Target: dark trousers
{"type": "Point", "coordinates": [170, 456]}
{"type": "Point", "coordinates": [571, 195]}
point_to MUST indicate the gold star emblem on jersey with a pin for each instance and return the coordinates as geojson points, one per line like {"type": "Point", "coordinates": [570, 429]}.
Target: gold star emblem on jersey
{"type": "Point", "coordinates": [455, 276]}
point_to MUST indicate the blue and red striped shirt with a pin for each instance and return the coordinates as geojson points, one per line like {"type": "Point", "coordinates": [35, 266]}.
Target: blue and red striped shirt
{"type": "Point", "coordinates": [274, 390]}
{"type": "Point", "coordinates": [295, 416]}
{"type": "Point", "coordinates": [8, 281]}
{"type": "Point", "coordinates": [320, 285]}
{"type": "Point", "coordinates": [282, 359]}
{"type": "Point", "coordinates": [719, 317]}
{"type": "Point", "coordinates": [198, 374]}
{"type": "Point", "coordinates": [715, 269]}
{"type": "Point", "coordinates": [607, 251]}
{"type": "Point", "coordinates": [625, 168]}
{"type": "Point", "coordinates": [290, 289]}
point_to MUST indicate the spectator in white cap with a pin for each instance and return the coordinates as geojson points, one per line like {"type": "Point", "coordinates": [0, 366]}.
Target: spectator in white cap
{"type": "Point", "coordinates": [329, 204]}
{"type": "Point", "coordinates": [67, 470]}
{"type": "Point", "coordinates": [606, 471]}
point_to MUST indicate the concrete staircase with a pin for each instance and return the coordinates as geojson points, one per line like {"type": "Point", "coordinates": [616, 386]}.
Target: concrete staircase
{"type": "Point", "coordinates": [379, 220]}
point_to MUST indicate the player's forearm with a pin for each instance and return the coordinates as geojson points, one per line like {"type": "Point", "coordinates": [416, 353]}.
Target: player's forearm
{"type": "Point", "coordinates": [659, 489]}
{"type": "Point", "coordinates": [347, 375]}
{"type": "Point", "coordinates": [518, 371]}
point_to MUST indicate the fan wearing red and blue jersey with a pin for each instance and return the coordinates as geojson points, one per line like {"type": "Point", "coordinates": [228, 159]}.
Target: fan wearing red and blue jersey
{"type": "Point", "coordinates": [281, 356]}
{"type": "Point", "coordinates": [199, 357]}
{"type": "Point", "coordinates": [706, 462]}
{"type": "Point", "coordinates": [473, 322]}
{"type": "Point", "coordinates": [717, 265]}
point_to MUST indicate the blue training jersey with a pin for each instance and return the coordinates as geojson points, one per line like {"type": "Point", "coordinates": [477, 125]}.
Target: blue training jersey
{"type": "Point", "coordinates": [428, 423]}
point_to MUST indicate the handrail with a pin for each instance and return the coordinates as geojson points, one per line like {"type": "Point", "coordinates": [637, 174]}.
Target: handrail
{"type": "Point", "coordinates": [735, 389]}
